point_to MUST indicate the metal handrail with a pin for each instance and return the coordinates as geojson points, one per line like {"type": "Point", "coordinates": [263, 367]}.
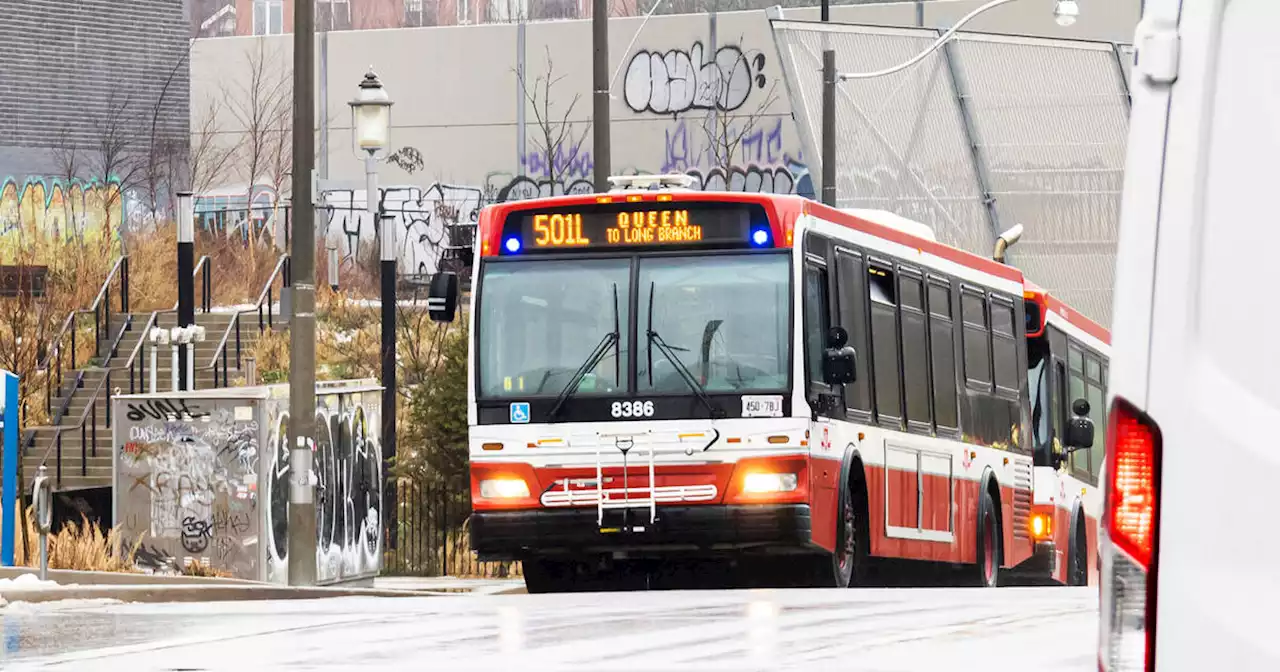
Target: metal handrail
{"type": "Point", "coordinates": [89, 412]}
{"type": "Point", "coordinates": [206, 284]}
{"type": "Point", "coordinates": [91, 407]}
{"type": "Point", "coordinates": [121, 268]}
{"type": "Point", "coordinates": [282, 271]}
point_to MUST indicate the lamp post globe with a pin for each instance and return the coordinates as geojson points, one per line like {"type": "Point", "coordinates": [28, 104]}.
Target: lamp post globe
{"type": "Point", "coordinates": [371, 113]}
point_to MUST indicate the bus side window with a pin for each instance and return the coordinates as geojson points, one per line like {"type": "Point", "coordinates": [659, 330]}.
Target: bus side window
{"type": "Point", "coordinates": [851, 284]}
{"type": "Point", "coordinates": [1004, 349]}
{"type": "Point", "coordinates": [915, 351]}
{"type": "Point", "coordinates": [1097, 412]}
{"type": "Point", "coordinates": [1061, 402]}
{"type": "Point", "coordinates": [942, 355]}
{"type": "Point", "coordinates": [884, 345]}
{"type": "Point", "coordinates": [1076, 390]}
{"type": "Point", "coordinates": [817, 319]}
{"type": "Point", "coordinates": [977, 340]}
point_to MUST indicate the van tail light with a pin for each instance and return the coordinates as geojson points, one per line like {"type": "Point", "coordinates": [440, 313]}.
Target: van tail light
{"type": "Point", "coordinates": [1130, 544]}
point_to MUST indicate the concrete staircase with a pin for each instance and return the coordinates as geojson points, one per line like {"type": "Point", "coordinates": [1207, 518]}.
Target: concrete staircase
{"type": "Point", "coordinates": [85, 427]}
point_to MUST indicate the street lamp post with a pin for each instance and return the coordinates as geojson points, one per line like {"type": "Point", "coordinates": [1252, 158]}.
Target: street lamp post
{"type": "Point", "coordinates": [1065, 13]}
{"type": "Point", "coordinates": [371, 112]}
{"type": "Point", "coordinates": [186, 282]}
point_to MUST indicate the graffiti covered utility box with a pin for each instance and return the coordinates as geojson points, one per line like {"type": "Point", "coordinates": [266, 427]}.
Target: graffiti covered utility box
{"type": "Point", "coordinates": [203, 477]}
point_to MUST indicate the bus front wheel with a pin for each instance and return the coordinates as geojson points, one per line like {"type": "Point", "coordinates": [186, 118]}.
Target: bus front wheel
{"type": "Point", "coordinates": [847, 565]}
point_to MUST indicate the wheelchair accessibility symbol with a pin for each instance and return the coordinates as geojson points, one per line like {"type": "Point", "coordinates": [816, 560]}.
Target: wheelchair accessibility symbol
{"type": "Point", "coordinates": [520, 412]}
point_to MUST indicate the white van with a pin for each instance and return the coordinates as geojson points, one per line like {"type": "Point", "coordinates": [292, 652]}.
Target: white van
{"type": "Point", "coordinates": [1191, 554]}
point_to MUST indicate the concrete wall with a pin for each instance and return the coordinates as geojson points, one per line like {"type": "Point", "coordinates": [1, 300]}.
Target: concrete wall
{"type": "Point", "coordinates": [75, 76]}
{"type": "Point", "coordinates": [203, 477]}
{"type": "Point", "coordinates": [458, 97]}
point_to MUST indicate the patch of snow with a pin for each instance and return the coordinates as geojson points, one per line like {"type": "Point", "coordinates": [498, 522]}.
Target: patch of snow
{"type": "Point", "coordinates": [26, 582]}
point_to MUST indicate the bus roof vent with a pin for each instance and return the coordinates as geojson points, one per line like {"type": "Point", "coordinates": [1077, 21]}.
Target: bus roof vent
{"type": "Point", "coordinates": [651, 182]}
{"type": "Point", "coordinates": [893, 221]}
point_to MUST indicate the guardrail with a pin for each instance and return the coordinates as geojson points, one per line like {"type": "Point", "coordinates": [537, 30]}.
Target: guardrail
{"type": "Point", "coordinates": [282, 272]}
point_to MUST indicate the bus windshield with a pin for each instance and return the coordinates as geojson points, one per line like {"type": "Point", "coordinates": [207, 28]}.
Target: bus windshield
{"type": "Point", "coordinates": [724, 316]}
{"type": "Point", "coordinates": [540, 320]}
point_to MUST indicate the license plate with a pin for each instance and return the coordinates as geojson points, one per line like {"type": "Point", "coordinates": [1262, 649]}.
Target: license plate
{"type": "Point", "coordinates": [762, 406]}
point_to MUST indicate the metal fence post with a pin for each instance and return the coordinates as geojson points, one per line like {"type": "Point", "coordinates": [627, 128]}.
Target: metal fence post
{"type": "Point", "coordinates": [1124, 78]}
{"type": "Point", "coordinates": [980, 167]}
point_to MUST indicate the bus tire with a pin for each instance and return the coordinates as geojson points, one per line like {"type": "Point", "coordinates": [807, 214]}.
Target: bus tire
{"type": "Point", "coordinates": [1078, 560]}
{"type": "Point", "coordinates": [542, 575]}
{"type": "Point", "coordinates": [846, 567]}
{"type": "Point", "coordinates": [986, 572]}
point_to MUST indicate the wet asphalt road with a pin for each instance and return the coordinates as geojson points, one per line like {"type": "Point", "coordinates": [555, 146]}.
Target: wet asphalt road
{"type": "Point", "coordinates": [1042, 629]}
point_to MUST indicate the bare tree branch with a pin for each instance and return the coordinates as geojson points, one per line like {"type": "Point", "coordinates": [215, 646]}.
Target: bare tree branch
{"type": "Point", "coordinates": [117, 150]}
{"type": "Point", "coordinates": [555, 142]}
{"type": "Point", "coordinates": [726, 132]}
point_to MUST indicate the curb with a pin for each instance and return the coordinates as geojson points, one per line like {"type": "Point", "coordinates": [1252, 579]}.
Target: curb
{"type": "Point", "coordinates": [201, 593]}
{"type": "Point", "coordinates": [86, 578]}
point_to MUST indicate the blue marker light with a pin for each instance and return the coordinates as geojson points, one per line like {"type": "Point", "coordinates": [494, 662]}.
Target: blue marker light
{"type": "Point", "coordinates": [760, 237]}
{"type": "Point", "coordinates": [513, 245]}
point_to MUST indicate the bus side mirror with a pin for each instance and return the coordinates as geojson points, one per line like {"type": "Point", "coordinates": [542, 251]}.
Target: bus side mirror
{"type": "Point", "coordinates": [840, 361]}
{"type": "Point", "coordinates": [442, 297]}
{"type": "Point", "coordinates": [1080, 428]}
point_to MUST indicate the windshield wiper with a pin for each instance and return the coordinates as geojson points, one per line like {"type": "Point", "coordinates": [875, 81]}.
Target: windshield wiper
{"type": "Point", "coordinates": [667, 351]}
{"type": "Point", "coordinates": [610, 340]}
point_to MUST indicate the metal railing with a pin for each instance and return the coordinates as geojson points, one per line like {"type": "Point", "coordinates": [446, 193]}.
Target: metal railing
{"type": "Point", "coordinates": [134, 362]}
{"type": "Point", "coordinates": [282, 272]}
{"type": "Point", "coordinates": [433, 535]}
{"type": "Point", "coordinates": [54, 362]}
{"type": "Point", "coordinates": [87, 433]}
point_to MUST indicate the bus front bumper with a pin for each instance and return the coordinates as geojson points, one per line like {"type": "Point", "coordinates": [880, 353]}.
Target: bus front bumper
{"type": "Point", "coordinates": [512, 535]}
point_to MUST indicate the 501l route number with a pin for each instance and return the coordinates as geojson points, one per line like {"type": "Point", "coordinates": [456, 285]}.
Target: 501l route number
{"type": "Point", "coordinates": [632, 409]}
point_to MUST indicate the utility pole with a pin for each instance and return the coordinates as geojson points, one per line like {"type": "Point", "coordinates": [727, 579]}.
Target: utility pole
{"type": "Point", "coordinates": [600, 87]}
{"type": "Point", "coordinates": [828, 114]}
{"type": "Point", "coordinates": [186, 278]}
{"type": "Point", "coordinates": [302, 323]}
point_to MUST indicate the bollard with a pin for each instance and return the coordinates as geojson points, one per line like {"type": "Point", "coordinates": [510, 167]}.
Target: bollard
{"type": "Point", "coordinates": [174, 366]}
{"type": "Point", "coordinates": [250, 370]}
{"type": "Point", "coordinates": [43, 495]}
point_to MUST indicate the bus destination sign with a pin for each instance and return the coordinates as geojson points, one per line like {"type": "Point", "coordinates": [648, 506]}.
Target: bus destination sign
{"type": "Point", "coordinates": [663, 226]}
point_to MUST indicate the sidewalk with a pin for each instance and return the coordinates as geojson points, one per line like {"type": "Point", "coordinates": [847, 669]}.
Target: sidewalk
{"type": "Point", "coordinates": [21, 584]}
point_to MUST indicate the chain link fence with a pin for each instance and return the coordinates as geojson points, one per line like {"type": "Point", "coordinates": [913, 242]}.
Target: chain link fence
{"type": "Point", "coordinates": [987, 132]}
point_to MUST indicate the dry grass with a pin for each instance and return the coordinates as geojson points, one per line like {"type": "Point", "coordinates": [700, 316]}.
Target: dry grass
{"type": "Point", "coordinates": [81, 547]}
{"type": "Point", "coordinates": [271, 353]}
{"type": "Point", "coordinates": [462, 562]}
{"type": "Point", "coordinates": [239, 269]}
{"type": "Point", "coordinates": [204, 570]}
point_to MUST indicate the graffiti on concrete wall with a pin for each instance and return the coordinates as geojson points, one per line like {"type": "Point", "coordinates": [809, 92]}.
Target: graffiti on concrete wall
{"type": "Point", "coordinates": [194, 482]}
{"type": "Point", "coordinates": [569, 161]}
{"type": "Point", "coordinates": [422, 219]}
{"type": "Point", "coordinates": [347, 466]}
{"type": "Point", "coordinates": [52, 207]}
{"type": "Point", "coordinates": [719, 128]}
{"type": "Point", "coordinates": [188, 484]}
{"type": "Point", "coordinates": [677, 81]}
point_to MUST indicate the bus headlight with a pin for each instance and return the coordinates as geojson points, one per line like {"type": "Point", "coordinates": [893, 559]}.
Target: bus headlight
{"type": "Point", "coordinates": [760, 483]}
{"type": "Point", "coordinates": [504, 488]}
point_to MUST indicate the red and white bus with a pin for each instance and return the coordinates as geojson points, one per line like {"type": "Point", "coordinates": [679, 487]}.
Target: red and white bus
{"type": "Point", "coordinates": [1068, 360]}
{"type": "Point", "coordinates": [660, 374]}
